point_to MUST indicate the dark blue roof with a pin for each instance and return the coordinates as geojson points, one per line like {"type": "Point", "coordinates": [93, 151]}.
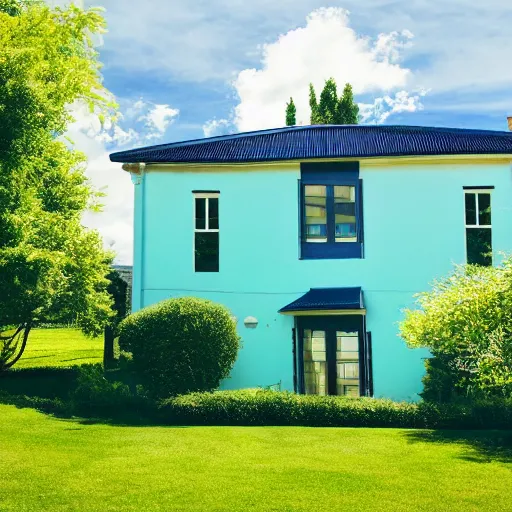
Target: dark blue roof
{"type": "Point", "coordinates": [324, 141]}
{"type": "Point", "coordinates": [327, 299]}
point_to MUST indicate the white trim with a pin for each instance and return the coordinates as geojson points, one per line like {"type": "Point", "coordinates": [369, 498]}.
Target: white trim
{"type": "Point", "coordinates": [476, 191]}
{"type": "Point", "coordinates": [364, 161]}
{"type": "Point", "coordinates": [206, 196]}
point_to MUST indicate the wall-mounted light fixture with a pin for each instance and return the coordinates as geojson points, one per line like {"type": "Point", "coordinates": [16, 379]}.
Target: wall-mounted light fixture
{"type": "Point", "coordinates": [250, 322]}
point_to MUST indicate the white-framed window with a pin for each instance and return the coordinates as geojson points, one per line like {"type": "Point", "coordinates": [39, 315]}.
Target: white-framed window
{"type": "Point", "coordinates": [478, 224]}
{"type": "Point", "coordinates": [206, 231]}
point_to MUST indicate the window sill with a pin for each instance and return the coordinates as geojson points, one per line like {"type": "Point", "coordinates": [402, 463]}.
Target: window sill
{"type": "Point", "coordinates": [331, 251]}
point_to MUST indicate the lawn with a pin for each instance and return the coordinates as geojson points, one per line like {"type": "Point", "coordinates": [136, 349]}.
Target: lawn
{"type": "Point", "coordinates": [65, 465]}
{"type": "Point", "coordinates": [60, 347]}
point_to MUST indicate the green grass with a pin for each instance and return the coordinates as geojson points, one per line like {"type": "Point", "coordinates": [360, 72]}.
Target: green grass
{"type": "Point", "coordinates": [60, 347]}
{"type": "Point", "coordinates": [64, 465]}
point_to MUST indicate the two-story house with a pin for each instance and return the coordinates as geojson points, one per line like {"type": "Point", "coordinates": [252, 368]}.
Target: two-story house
{"type": "Point", "coordinates": [316, 237]}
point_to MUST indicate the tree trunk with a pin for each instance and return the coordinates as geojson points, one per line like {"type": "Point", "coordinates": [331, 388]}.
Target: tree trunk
{"type": "Point", "coordinates": [108, 346]}
{"type": "Point", "coordinates": [26, 331]}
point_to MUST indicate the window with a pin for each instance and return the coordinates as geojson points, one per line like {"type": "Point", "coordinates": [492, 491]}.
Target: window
{"type": "Point", "coordinates": [206, 235]}
{"type": "Point", "coordinates": [334, 356]}
{"type": "Point", "coordinates": [315, 363]}
{"type": "Point", "coordinates": [331, 206]}
{"type": "Point", "coordinates": [478, 226]}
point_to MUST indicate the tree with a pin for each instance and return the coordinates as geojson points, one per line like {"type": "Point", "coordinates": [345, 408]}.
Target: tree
{"type": "Point", "coordinates": [466, 323]}
{"type": "Point", "coordinates": [118, 289]}
{"type": "Point", "coordinates": [291, 112]}
{"type": "Point", "coordinates": [331, 109]}
{"type": "Point", "coordinates": [313, 105]}
{"type": "Point", "coordinates": [328, 106]}
{"type": "Point", "coordinates": [347, 109]}
{"type": "Point", "coordinates": [51, 267]}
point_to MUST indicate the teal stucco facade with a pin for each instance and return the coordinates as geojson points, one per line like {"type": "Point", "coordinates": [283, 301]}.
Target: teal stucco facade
{"type": "Point", "coordinates": [414, 232]}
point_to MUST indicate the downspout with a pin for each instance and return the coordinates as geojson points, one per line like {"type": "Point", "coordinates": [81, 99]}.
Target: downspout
{"type": "Point", "coordinates": [137, 174]}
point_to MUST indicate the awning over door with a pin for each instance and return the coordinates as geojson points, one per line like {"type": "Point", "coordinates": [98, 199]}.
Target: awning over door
{"type": "Point", "coordinates": [327, 301]}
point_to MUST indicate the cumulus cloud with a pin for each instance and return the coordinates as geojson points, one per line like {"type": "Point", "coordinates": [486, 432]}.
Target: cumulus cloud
{"type": "Point", "coordinates": [217, 127]}
{"type": "Point", "coordinates": [325, 47]}
{"type": "Point", "coordinates": [97, 140]}
{"type": "Point", "coordinates": [157, 119]}
{"type": "Point", "coordinates": [378, 111]}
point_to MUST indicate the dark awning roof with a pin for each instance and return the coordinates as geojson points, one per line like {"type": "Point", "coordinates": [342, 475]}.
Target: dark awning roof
{"type": "Point", "coordinates": [327, 299]}
{"type": "Point", "coordinates": [324, 141]}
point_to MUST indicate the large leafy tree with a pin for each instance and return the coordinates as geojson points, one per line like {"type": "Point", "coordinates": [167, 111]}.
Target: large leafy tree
{"type": "Point", "coordinates": [466, 323]}
{"type": "Point", "coordinates": [51, 267]}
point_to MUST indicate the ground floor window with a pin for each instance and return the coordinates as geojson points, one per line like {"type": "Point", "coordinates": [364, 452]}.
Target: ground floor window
{"type": "Point", "coordinates": [334, 357]}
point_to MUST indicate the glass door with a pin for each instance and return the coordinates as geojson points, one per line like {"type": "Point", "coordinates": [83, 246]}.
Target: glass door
{"type": "Point", "coordinates": [347, 363]}
{"type": "Point", "coordinates": [331, 355]}
{"type": "Point", "coordinates": [315, 362]}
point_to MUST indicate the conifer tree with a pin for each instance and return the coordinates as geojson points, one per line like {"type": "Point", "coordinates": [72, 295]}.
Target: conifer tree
{"type": "Point", "coordinates": [291, 113]}
{"type": "Point", "coordinates": [348, 110]}
{"type": "Point", "coordinates": [313, 105]}
{"type": "Point", "coordinates": [328, 106]}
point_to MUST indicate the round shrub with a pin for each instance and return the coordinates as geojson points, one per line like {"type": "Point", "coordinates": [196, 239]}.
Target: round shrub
{"type": "Point", "coordinates": [180, 345]}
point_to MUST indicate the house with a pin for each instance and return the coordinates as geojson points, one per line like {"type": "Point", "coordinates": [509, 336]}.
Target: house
{"type": "Point", "coordinates": [316, 238]}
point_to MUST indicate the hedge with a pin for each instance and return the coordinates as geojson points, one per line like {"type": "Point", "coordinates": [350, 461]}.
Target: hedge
{"type": "Point", "coordinates": [45, 382]}
{"type": "Point", "coordinates": [259, 407]}
{"type": "Point", "coordinates": [89, 392]}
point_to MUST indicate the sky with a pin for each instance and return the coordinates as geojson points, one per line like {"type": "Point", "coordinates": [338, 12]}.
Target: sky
{"type": "Point", "coordinates": [186, 69]}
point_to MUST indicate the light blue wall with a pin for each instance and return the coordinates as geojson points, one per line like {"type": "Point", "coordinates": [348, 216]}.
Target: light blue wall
{"type": "Point", "coordinates": [414, 232]}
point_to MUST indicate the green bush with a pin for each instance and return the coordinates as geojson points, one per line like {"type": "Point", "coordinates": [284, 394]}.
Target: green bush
{"type": "Point", "coordinates": [180, 345]}
{"type": "Point", "coordinates": [466, 323]}
{"type": "Point", "coordinates": [259, 407]}
{"type": "Point", "coordinates": [94, 392]}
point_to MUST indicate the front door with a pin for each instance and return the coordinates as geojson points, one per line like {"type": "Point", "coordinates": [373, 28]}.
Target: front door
{"type": "Point", "coordinates": [332, 355]}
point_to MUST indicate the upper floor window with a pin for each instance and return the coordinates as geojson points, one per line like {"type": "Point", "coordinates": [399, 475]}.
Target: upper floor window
{"type": "Point", "coordinates": [206, 231]}
{"type": "Point", "coordinates": [478, 226]}
{"type": "Point", "coordinates": [331, 204]}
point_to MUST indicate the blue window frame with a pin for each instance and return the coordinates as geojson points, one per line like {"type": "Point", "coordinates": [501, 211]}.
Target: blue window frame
{"type": "Point", "coordinates": [331, 211]}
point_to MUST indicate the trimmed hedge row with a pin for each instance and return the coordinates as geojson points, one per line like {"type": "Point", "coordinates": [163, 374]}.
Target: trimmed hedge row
{"type": "Point", "coordinates": [90, 392]}
{"type": "Point", "coordinates": [258, 407]}
{"type": "Point", "coordinates": [45, 382]}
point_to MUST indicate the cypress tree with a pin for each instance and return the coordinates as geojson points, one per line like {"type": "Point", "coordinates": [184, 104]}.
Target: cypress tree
{"type": "Point", "coordinates": [313, 105]}
{"type": "Point", "coordinates": [328, 106]}
{"type": "Point", "coordinates": [348, 110]}
{"type": "Point", "coordinates": [291, 113]}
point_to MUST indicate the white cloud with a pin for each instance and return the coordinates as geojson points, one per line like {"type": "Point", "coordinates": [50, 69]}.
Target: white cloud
{"type": "Point", "coordinates": [157, 119]}
{"type": "Point", "coordinates": [326, 46]}
{"type": "Point", "coordinates": [458, 43]}
{"type": "Point", "coordinates": [217, 127]}
{"type": "Point", "coordinates": [388, 47]}
{"type": "Point", "coordinates": [97, 141]}
{"type": "Point", "coordinates": [378, 111]}
{"type": "Point", "coordinates": [116, 220]}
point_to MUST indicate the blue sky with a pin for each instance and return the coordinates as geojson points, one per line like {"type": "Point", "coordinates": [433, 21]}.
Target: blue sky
{"type": "Point", "coordinates": [183, 69]}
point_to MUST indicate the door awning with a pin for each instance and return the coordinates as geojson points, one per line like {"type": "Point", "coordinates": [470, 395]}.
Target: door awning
{"type": "Point", "coordinates": [327, 301]}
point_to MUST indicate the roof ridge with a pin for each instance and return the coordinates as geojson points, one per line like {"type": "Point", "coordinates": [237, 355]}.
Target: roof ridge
{"type": "Point", "coordinates": [387, 140]}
